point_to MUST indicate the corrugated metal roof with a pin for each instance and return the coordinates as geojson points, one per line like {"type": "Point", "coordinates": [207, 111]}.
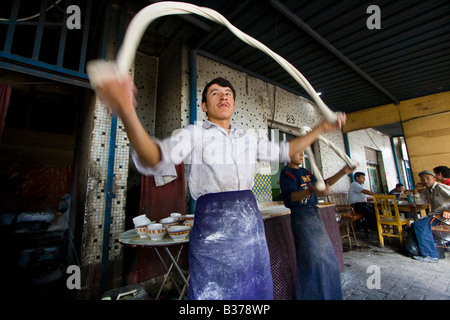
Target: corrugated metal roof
{"type": "Point", "coordinates": [329, 43]}
{"type": "Point", "coordinates": [353, 67]}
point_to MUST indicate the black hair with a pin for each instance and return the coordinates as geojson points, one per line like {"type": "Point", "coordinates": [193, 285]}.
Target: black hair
{"type": "Point", "coordinates": [444, 170]}
{"type": "Point", "coordinates": [221, 82]}
{"type": "Point", "coordinates": [358, 174]}
{"type": "Point", "coordinates": [399, 185]}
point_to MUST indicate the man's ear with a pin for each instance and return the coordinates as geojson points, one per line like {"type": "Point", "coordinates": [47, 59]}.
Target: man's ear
{"type": "Point", "coordinates": [204, 107]}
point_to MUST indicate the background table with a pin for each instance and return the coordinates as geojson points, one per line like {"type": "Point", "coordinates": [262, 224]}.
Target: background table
{"type": "Point", "coordinates": [411, 209]}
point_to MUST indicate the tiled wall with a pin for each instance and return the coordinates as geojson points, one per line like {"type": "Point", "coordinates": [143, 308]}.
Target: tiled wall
{"type": "Point", "coordinates": [262, 188]}
{"type": "Point", "coordinates": [125, 175]}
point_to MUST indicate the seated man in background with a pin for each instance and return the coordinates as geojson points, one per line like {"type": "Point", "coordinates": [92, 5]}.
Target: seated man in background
{"type": "Point", "coordinates": [399, 189]}
{"type": "Point", "coordinates": [442, 174]}
{"type": "Point", "coordinates": [438, 196]}
{"type": "Point", "coordinates": [357, 198]}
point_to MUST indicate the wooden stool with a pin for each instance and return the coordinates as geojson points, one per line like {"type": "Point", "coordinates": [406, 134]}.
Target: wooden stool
{"type": "Point", "coordinates": [345, 225]}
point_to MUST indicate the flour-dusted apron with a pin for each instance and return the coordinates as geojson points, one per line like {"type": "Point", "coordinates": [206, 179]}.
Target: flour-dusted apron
{"type": "Point", "coordinates": [228, 254]}
{"type": "Point", "coordinates": [318, 276]}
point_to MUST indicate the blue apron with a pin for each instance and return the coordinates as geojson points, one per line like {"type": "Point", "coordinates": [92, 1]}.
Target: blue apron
{"type": "Point", "coordinates": [228, 254]}
{"type": "Point", "coordinates": [318, 276]}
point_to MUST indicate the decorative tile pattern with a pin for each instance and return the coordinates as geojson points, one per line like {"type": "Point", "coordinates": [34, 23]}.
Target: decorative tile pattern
{"type": "Point", "coordinates": [145, 79]}
{"type": "Point", "coordinates": [262, 188]}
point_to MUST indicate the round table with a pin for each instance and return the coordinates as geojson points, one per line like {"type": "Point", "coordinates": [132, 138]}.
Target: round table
{"type": "Point", "coordinates": [132, 239]}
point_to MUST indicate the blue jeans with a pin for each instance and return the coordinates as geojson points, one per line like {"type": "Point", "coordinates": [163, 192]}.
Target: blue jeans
{"type": "Point", "coordinates": [424, 236]}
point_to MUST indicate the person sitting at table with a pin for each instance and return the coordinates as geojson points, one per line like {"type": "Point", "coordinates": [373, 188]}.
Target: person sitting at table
{"type": "Point", "coordinates": [358, 201]}
{"type": "Point", "coordinates": [318, 276]}
{"type": "Point", "coordinates": [399, 189]}
{"type": "Point", "coordinates": [442, 174]}
{"type": "Point", "coordinates": [438, 196]}
{"type": "Point", "coordinates": [228, 254]}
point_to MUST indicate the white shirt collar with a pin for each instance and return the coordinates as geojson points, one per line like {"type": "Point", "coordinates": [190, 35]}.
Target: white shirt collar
{"type": "Point", "coordinates": [208, 124]}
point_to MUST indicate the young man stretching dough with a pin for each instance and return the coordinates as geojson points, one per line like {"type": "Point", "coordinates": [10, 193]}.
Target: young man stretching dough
{"type": "Point", "coordinates": [228, 254]}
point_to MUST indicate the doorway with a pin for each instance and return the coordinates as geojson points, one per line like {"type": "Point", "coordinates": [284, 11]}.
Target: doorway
{"type": "Point", "coordinates": [373, 169]}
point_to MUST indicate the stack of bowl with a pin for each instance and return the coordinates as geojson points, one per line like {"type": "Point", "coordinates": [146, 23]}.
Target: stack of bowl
{"type": "Point", "coordinates": [140, 225]}
{"type": "Point", "coordinates": [168, 222]}
{"type": "Point", "coordinates": [171, 225]}
{"type": "Point", "coordinates": [189, 220]}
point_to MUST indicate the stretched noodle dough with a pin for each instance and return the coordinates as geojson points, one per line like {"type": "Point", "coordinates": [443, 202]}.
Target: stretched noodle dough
{"type": "Point", "coordinates": [100, 71]}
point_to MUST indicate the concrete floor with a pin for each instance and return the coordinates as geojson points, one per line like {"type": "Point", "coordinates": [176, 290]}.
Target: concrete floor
{"type": "Point", "coordinates": [375, 273]}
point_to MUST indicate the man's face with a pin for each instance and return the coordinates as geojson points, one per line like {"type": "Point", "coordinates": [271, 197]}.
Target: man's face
{"type": "Point", "coordinates": [439, 176]}
{"type": "Point", "coordinates": [219, 103]}
{"type": "Point", "coordinates": [428, 180]}
{"type": "Point", "coordinates": [297, 158]}
{"type": "Point", "coordinates": [360, 179]}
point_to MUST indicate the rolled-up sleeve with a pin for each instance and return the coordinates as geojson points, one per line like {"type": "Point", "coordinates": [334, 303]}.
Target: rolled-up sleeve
{"type": "Point", "coordinates": [164, 167]}
{"type": "Point", "coordinates": [174, 150]}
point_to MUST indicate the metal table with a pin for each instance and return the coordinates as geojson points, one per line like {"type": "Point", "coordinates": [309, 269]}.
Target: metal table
{"type": "Point", "coordinates": [132, 239]}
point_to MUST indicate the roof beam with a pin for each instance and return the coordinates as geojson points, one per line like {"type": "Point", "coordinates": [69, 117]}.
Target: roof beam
{"type": "Point", "coordinates": [217, 28]}
{"type": "Point", "coordinates": [310, 31]}
{"type": "Point", "coordinates": [405, 111]}
{"type": "Point", "coordinates": [189, 18]}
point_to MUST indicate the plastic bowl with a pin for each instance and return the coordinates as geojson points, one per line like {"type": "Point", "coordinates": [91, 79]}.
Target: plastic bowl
{"type": "Point", "coordinates": [179, 233]}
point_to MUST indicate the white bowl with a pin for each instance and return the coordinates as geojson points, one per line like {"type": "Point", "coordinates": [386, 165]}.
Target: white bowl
{"type": "Point", "coordinates": [167, 222]}
{"type": "Point", "coordinates": [141, 221]}
{"type": "Point", "coordinates": [156, 231]}
{"type": "Point", "coordinates": [142, 231]}
{"type": "Point", "coordinates": [178, 233]}
{"type": "Point", "coordinates": [189, 220]}
{"type": "Point", "coordinates": [176, 215]}
{"type": "Point", "coordinates": [189, 223]}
